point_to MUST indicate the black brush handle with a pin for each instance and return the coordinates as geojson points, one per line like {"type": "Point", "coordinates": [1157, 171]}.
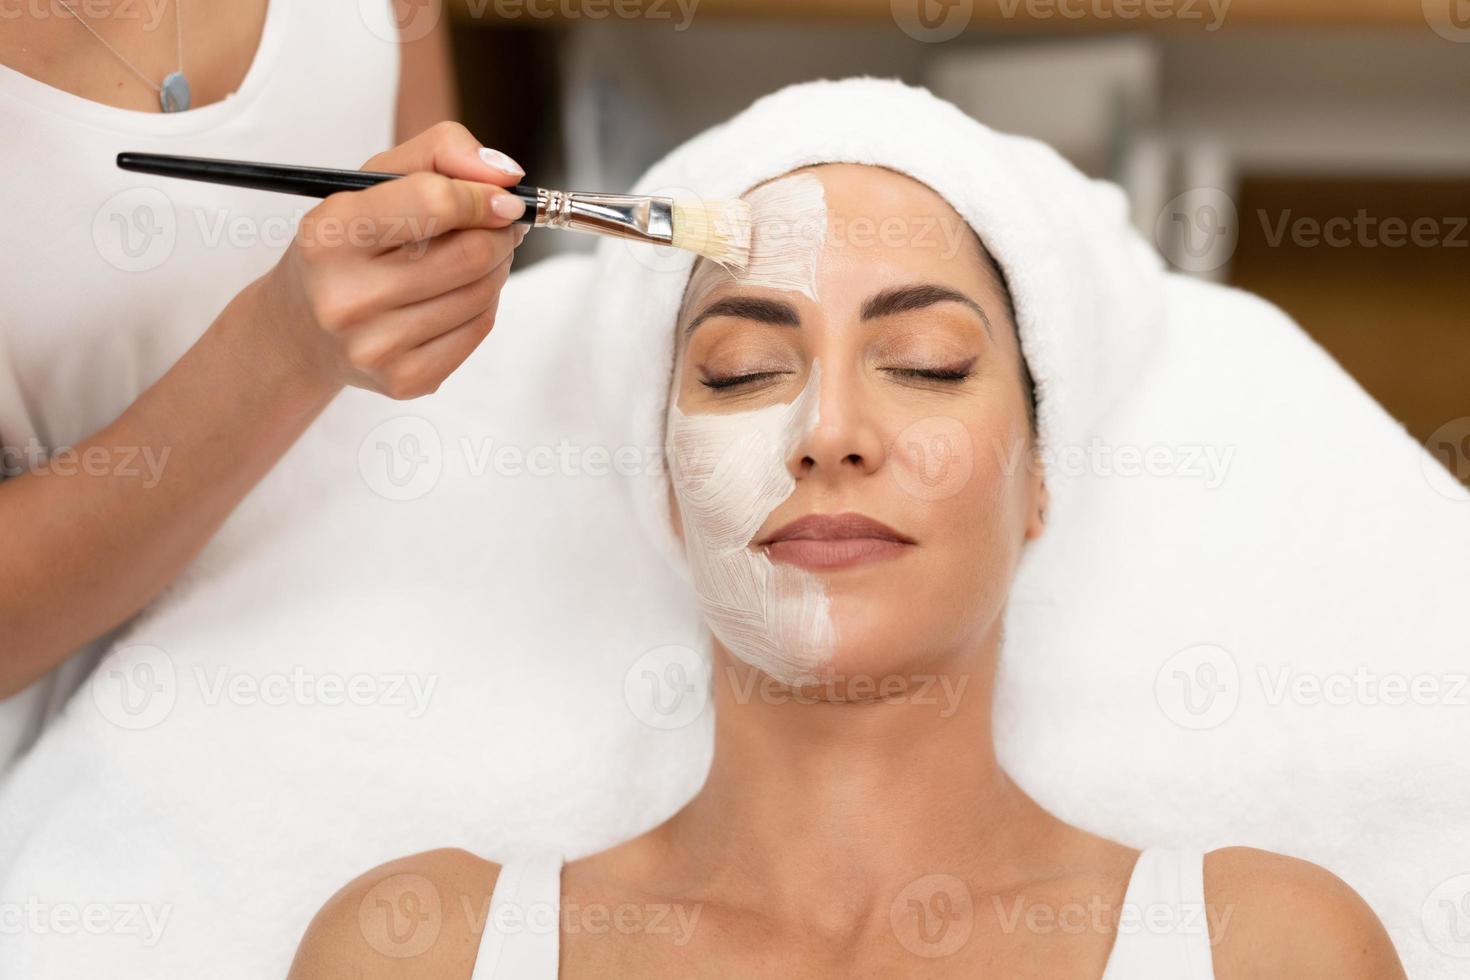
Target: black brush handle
{"type": "Point", "coordinates": [279, 177]}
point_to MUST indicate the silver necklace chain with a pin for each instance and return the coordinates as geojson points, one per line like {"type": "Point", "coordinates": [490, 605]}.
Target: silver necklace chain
{"type": "Point", "coordinates": [179, 41]}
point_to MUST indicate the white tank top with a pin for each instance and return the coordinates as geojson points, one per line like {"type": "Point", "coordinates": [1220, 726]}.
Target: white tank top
{"type": "Point", "coordinates": [110, 276]}
{"type": "Point", "coordinates": [1162, 933]}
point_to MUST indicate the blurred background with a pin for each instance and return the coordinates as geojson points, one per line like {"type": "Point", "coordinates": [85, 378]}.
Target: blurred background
{"type": "Point", "coordinates": [1316, 152]}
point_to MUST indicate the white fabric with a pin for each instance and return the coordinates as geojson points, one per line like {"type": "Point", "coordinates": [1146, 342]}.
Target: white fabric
{"type": "Point", "coordinates": [522, 935]}
{"type": "Point", "coordinates": [532, 607]}
{"type": "Point", "coordinates": [1162, 933]}
{"type": "Point", "coordinates": [111, 275]}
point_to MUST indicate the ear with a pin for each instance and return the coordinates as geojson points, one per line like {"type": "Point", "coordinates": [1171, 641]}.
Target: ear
{"type": "Point", "coordinates": [1042, 499]}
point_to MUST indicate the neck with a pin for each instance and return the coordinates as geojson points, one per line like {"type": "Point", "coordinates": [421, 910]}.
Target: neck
{"type": "Point", "coordinates": [855, 795]}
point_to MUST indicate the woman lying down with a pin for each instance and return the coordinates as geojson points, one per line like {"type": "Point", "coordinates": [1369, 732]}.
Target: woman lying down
{"type": "Point", "coordinates": [855, 831]}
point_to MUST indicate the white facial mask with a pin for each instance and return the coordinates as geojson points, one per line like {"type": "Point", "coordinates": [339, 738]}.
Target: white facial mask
{"type": "Point", "coordinates": [729, 473]}
{"type": "Point", "coordinates": [788, 233]}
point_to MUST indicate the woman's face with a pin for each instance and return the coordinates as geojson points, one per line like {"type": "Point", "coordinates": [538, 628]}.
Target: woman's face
{"type": "Point", "coordinates": [862, 374]}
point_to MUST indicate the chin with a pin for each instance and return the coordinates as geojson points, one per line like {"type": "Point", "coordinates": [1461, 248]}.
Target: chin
{"type": "Point", "coordinates": [878, 637]}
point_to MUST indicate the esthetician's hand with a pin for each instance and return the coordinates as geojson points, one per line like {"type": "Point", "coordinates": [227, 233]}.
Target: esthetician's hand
{"type": "Point", "coordinates": [392, 287]}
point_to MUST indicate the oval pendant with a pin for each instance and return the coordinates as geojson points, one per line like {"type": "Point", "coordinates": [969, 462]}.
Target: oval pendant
{"type": "Point", "coordinates": [175, 93]}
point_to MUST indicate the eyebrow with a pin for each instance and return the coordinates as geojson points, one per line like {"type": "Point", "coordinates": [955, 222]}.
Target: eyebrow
{"type": "Point", "coordinates": [889, 302]}
{"type": "Point", "coordinates": [772, 311]}
{"type": "Point", "coordinates": [905, 299]}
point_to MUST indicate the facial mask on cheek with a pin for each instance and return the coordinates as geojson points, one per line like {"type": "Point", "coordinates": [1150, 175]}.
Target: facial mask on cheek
{"type": "Point", "coordinates": [729, 473]}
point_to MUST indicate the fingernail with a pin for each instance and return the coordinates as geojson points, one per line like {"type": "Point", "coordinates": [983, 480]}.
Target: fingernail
{"type": "Point", "coordinates": [501, 162]}
{"type": "Point", "coordinates": [507, 206]}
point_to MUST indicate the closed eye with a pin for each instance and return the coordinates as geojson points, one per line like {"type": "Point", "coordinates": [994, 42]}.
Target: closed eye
{"type": "Point", "coordinates": [932, 374]}
{"type": "Point", "coordinates": [736, 380]}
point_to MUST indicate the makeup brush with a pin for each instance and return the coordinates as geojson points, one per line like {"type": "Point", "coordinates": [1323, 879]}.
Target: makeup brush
{"type": "Point", "coordinates": [718, 230]}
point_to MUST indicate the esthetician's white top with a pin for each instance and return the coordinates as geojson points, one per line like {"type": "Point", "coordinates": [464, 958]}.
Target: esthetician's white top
{"type": "Point", "coordinates": [1163, 932]}
{"type": "Point", "coordinates": [110, 276]}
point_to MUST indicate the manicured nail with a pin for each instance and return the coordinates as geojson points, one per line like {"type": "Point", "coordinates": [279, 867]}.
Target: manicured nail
{"type": "Point", "coordinates": [507, 206]}
{"type": "Point", "coordinates": [501, 162]}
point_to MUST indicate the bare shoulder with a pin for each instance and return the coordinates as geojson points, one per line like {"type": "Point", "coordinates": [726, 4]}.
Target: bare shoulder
{"type": "Point", "coordinates": [418, 916]}
{"type": "Point", "coordinates": [1273, 915]}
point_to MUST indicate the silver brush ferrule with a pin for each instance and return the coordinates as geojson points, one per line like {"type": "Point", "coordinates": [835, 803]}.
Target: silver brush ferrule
{"type": "Point", "coordinates": [642, 219]}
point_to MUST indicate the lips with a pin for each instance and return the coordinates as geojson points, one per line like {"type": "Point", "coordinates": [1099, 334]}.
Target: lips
{"type": "Point", "coordinates": [834, 541]}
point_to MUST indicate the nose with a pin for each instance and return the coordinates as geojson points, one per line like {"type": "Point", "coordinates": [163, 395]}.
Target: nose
{"type": "Point", "coordinates": [846, 440]}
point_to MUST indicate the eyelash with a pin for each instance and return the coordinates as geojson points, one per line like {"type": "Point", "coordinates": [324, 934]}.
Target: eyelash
{"type": "Point", "coordinates": [736, 380]}
{"type": "Point", "coordinates": [951, 375]}
{"type": "Point", "coordinates": [943, 375]}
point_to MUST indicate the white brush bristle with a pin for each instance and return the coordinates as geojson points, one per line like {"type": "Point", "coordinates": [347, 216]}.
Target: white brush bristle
{"type": "Point", "coordinates": [718, 230]}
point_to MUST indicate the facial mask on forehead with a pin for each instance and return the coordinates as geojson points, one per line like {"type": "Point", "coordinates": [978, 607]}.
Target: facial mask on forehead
{"type": "Point", "coordinates": [788, 232]}
{"type": "Point", "coordinates": [729, 473]}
